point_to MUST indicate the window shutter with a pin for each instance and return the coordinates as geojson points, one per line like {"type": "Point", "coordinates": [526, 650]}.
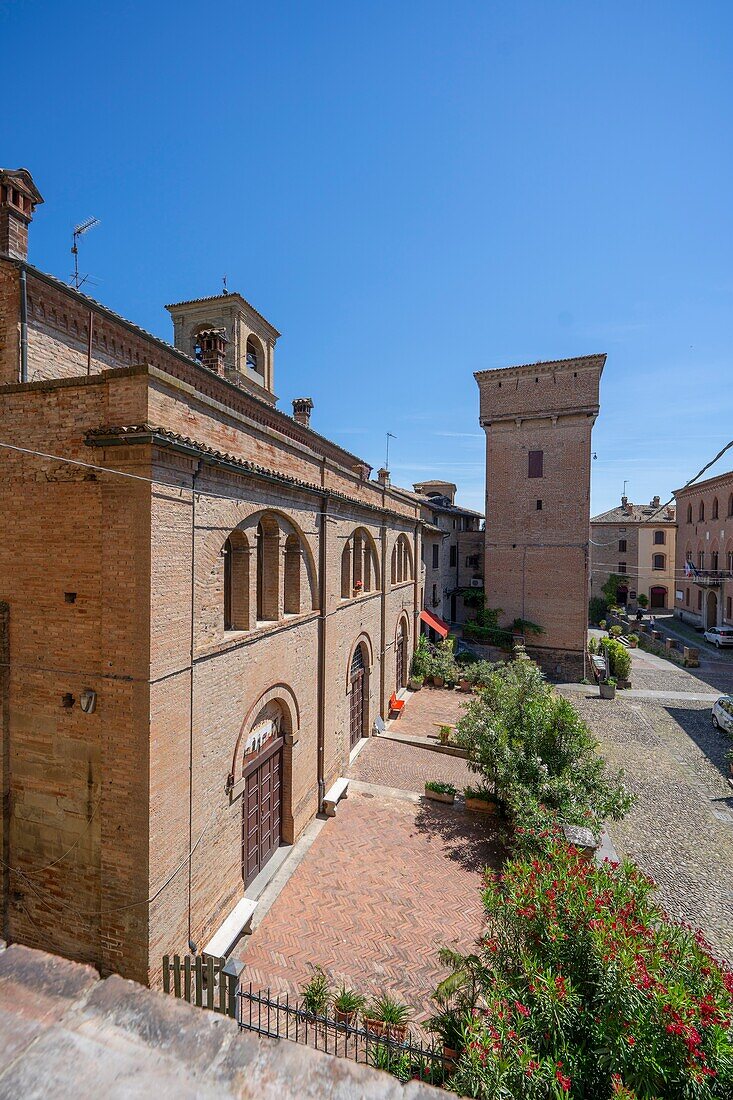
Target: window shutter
{"type": "Point", "coordinates": [535, 463]}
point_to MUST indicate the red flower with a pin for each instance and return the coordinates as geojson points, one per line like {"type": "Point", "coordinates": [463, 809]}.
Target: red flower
{"type": "Point", "coordinates": [563, 1081]}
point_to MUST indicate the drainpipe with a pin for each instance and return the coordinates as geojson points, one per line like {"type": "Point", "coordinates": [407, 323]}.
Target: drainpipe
{"type": "Point", "coordinates": [195, 474]}
{"type": "Point", "coordinates": [23, 326]}
{"type": "Point", "coordinates": [322, 564]}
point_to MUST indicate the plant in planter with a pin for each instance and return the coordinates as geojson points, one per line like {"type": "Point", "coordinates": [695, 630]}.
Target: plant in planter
{"type": "Point", "coordinates": [347, 1004]}
{"type": "Point", "coordinates": [416, 682]}
{"type": "Point", "coordinates": [480, 799]}
{"type": "Point", "coordinates": [615, 631]}
{"type": "Point", "coordinates": [642, 600]}
{"type": "Point", "coordinates": [633, 640]}
{"type": "Point", "coordinates": [440, 792]}
{"type": "Point", "coordinates": [592, 645]}
{"type": "Point", "coordinates": [316, 993]}
{"type": "Point", "coordinates": [607, 688]}
{"type": "Point", "coordinates": [444, 734]}
{"type": "Point", "coordinates": [602, 624]}
{"type": "Point", "coordinates": [387, 1016]}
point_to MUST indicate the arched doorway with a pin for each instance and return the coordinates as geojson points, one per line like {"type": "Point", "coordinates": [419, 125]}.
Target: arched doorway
{"type": "Point", "coordinates": [658, 596]}
{"type": "Point", "coordinates": [711, 608]}
{"type": "Point", "coordinates": [401, 656]}
{"type": "Point", "coordinates": [622, 596]}
{"type": "Point", "coordinates": [262, 793]}
{"type": "Point", "coordinates": [357, 696]}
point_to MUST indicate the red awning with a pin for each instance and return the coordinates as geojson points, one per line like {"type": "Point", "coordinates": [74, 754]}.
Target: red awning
{"type": "Point", "coordinates": [435, 623]}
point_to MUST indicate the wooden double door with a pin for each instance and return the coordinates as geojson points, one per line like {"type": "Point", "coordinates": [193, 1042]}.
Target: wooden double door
{"type": "Point", "coordinates": [262, 809]}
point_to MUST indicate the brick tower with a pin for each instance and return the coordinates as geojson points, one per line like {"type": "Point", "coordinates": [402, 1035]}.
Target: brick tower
{"type": "Point", "coordinates": [538, 421]}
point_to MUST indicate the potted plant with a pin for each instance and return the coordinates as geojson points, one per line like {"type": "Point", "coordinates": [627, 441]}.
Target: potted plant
{"type": "Point", "coordinates": [464, 684]}
{"type": "Point", "coordinates": [387, 1016]}
{"type": "Point", "coordinates": [633, 640]}
{"type": "Point", "coordinates": [316, 993]}
{"type": "Point", "coordinates": [602, 624]}
{"type": "Point", "coordinates": [444, 734]}
{"type": "Point", "coordinates": [440, 792]}
{"type": "Point", "coordinates": [358, 588]}
{"type": "Point", "coordinates": [438, 680]}
{"type": "Point", "coordinates": [480, 800]}
{"type": "Point", "coordinates": [447, 1025]}
{"type": "Point", "coordinates": [347, 1004]}
{"type": "Point", "coordinates": [416, 682]}
{"type": "Point", "coordinates": [607, 688]}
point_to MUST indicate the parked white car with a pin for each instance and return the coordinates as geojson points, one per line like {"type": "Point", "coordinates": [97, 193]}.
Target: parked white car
{"type": "Point", "coordinates": [719, 636]}
{"type": "Point", "coordinates": [722, 715]}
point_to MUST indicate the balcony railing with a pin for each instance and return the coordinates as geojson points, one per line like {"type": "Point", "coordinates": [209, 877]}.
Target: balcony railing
{"type": "Point", "coordinates": [710, 578]}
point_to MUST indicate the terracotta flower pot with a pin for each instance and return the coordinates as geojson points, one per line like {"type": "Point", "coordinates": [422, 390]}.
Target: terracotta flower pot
{"type": "Point", "coordinates": [450, 1059]}
{"type": "Point", "coordinates": [382, 1030]}
{"type": "Point", "coordinates": [440, 796]}
{"type": "Point", "coordinates": [464, 685]}
{"type": "Point", "coordinates": [481, 805]}
{"type": "Point", "coordinates": [347, 1018]}
{"type": "Point", "coordinates": [438, 681]}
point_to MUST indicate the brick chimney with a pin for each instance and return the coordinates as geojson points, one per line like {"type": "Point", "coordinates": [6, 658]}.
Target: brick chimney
{"type": "Point", "coordinates": [302, 408]}
{"type": "Point", "coordinates": [383, 477]}
{"type": "Point", "coordinates": [19, 197]}
{"type": "Point", "coordinates": [655, 502]}
{"type": "Point", "coordinates": [213, 343]}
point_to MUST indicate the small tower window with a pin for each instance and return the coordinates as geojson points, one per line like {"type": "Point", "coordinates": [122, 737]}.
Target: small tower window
{"type": "Point", "coordinates": [255, 357]}
{"type": "Point", "coordinates": [535, 464]}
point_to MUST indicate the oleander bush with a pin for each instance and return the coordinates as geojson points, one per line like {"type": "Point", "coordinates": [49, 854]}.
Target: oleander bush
{"type": "Point", "coordinates": [582, 987]}
{"type": "Point", "coordinates": [531, 748]}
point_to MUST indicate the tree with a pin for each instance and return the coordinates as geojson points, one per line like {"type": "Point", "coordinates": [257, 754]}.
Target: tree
{"type": "Point", "coordinates": [532, 747]}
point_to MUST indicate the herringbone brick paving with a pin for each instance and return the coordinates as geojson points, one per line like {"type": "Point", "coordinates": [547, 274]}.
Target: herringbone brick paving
{"type": "Point", "coordinates": [397, 764]}
{"type": "Point", "coordinates": [428, 708]}
{"type": "Point", "coordinates": [386, 883]}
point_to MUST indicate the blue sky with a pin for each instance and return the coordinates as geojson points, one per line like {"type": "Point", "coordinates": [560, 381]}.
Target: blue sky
{"type": "Point", "coordinates": [410, 192]}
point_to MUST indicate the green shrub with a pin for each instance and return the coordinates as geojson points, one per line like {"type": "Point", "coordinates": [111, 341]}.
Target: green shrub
{"type": "Point", "coordinates": [597, 609]}
{"type": "Point", "coordinates": [642, 600]}
{"type": "Point", "coordinates": [619, 657]}
{"type": "Point", "coordinates": [586, 989]}
{"type": "Point", "coordinates": [615, 631]}
{"type": "Point", "coordinates": [421, 658]}
{"type": "Point", "coordinates": [603, 624]}
{"type": "Point", "coordinates": [530, 745]}
{"type": "Point", "coordinates": [592, 645]}
{"type": "Point", "coordinates": [478, 673]}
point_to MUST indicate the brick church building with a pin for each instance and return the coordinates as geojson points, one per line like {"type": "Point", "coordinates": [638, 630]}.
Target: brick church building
{"type": "Point", "coordinates": [204, 606]}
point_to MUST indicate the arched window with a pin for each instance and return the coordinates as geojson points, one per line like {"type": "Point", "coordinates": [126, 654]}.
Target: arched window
{"type": "Point", "coordinates": [659, 561]}
{"type": "Point", "coordinates": [688, 554]}
{"type": "Point", "coordinates": [255, 355]}
{"type": "Point", "coordinates": [293, 554]}
{"type": "Point", "coordinates": [401, 561]}
{"type": "Point", "coordinates": [236, 582]}
{"type": "Point", "coordinates": [730, 505]}
{"type": "Point", "coordinates": [359, 564]}
{"type": "Point", "coordinates": [701, 510]}
{"type": "Point", "coordinates": [689, 513]}
{"type": "Point", "coordinates": [714, 513]}
{"type": "Point", "coordinates": [268, 570]}
{"type": "Point", "coordinates": [714, 560]}
{"type": "Point", "coordinates": [346, 571]}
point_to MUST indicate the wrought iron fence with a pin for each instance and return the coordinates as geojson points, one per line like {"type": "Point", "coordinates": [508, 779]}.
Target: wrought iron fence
{"type": "Point", "coordinates": [375, 1045]}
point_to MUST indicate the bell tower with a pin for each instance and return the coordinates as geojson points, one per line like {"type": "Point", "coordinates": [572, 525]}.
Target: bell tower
{"type": "Point", "coordinates": [246, 341]}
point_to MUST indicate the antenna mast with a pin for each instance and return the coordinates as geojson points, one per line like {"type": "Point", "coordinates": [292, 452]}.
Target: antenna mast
{"type": "Point", "coordinates": [79, 231]}
{"type": "Point", "coordinates": [389, 436]}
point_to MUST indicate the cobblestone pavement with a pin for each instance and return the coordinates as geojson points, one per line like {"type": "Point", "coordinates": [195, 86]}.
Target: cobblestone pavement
{"type": "Point", "coordinates": [681, 828]}
{"type": "Point", "coordinates": [398, 764]}
{"type": "Point", "coordinates": [385, 884]}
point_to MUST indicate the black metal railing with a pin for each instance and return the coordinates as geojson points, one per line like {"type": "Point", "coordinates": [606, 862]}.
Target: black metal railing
{"type": "Point", "coordinates": [394, 1050]}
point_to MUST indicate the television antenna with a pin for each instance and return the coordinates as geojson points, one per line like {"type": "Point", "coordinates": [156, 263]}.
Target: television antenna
{"type": "Point", "coordinates": [389, 436]}
{"type": "Point", "coordinates": [79, 231]}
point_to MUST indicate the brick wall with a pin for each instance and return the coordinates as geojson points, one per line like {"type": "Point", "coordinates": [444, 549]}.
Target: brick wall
{"type": "Point", "coordinates": [114, 786]}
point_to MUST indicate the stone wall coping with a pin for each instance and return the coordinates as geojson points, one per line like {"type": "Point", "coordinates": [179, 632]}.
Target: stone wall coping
{"type": "Point", "coordinates": [67, 1032]}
